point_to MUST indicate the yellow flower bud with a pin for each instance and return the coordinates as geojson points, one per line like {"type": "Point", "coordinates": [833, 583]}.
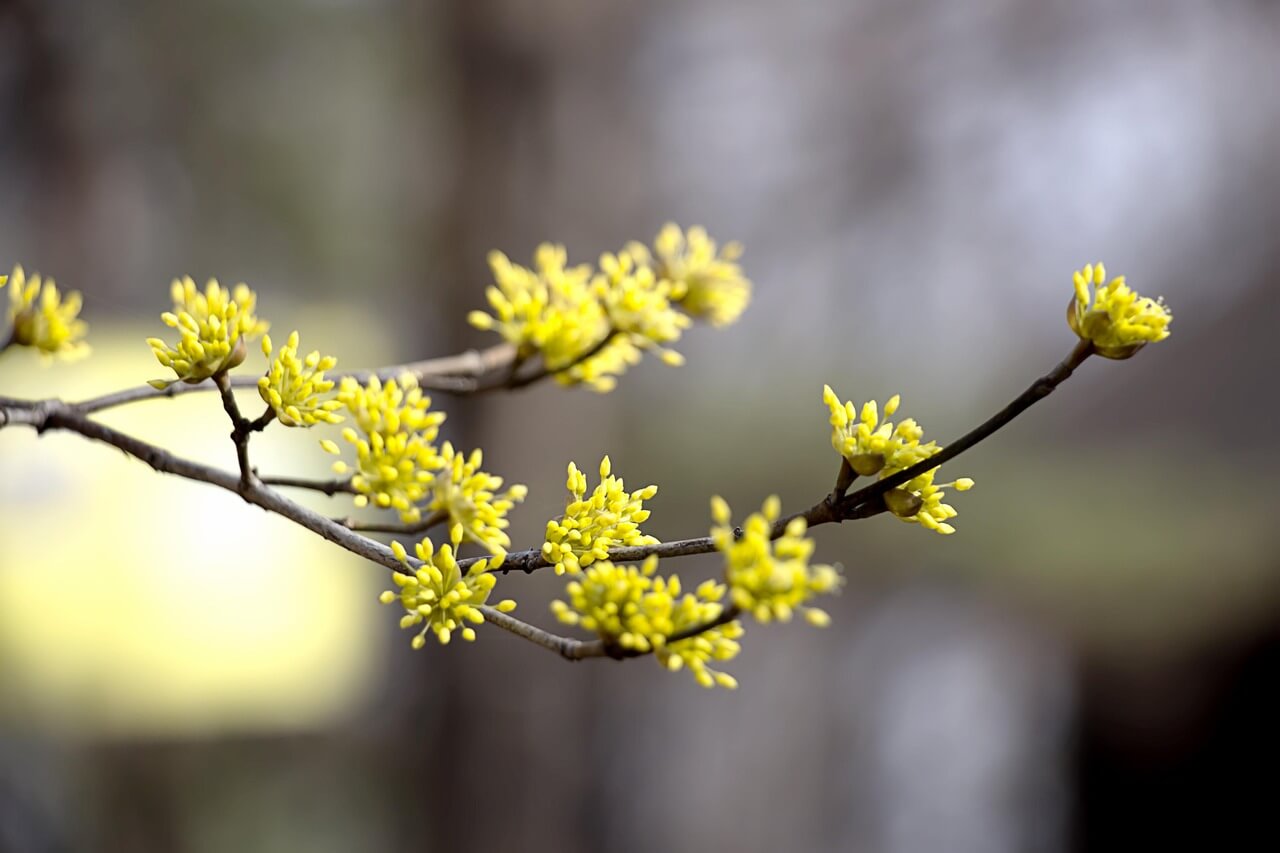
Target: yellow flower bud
{"type": "Point", "coordinates": [902, 503]}
{"type": "Point", "coordinates": [41, 318]}
{"type": "Point", "coordinates": [1114, 318]}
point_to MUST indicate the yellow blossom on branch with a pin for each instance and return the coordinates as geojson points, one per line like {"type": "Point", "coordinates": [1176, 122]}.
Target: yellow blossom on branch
{"type": "Point", "coordinates": [293, 386]}
{"type": "Point", "coordinates": [634, 609]}
{"type": "Point", "coordinates": [551, 310]}
{"type": "Point", "coordinates": [590, 526]}
{"type": "Point", "coordinates": [393, 434]}
{"type": "Point", "coordinates": [712, 645]}
{"type": "Point", "coordinates": [771, 579]}
{"type": "Point", "coordinates": [477, 511]}
{"type": "Point", "coordinates": [1115, 318]}
{"type": "Point", "coordinates": [42, 319]}
{"type": "Point", "coordinates": [590, 326]}
{"type": "Point", "coordinates": [708, 284]}
{"type": "Point", "coordinates": [439, 596]}
{"type": "Point", "coordinates": [626, 605]}
{"type": "Point", "coordinates": [871, 444]}
{"type": "Point", "coordinates": [920, 500]}
{"type": "Point", "coordinates": [877, 447]}
{"type": "Point", "coordinates": [214, 327]}
{"type": "Point", "coordinates": [639, 304]}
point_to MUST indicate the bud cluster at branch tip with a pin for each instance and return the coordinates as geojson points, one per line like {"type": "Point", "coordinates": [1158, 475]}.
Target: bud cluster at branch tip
{"type": "Point", "coordinates": [1116, 319]}
{"type": "Point", "coordinates": [213, 328]}
{"type": "Point", "coordinates": [589, 325]}
{"type": "Point", "coordinates": [40, 317]}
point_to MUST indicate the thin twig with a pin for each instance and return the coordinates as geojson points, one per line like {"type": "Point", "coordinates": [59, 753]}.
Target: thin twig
{"type": "Point", "coordinates": [328, 487]}
{"type": "Point", "coordinates": [53, 414]}
{"type": "Point", "coordinates": [532, 559]}
{"type": "Point", "coordinates": [56, 415]}
{"type": "Point", "coordinates": [449, 371]}
{"type": "Point", "coordinates": [726, 616]}
{"type": "Point", "coordinates": [240, 427]}
{"type": "Point", "coordinates": [405, 527]}
{"type": "Point", "coordinates": [844, 479]}
{"type": "Point", "coordinates": [514, 382]}
{"type": "Point", "coordinates": [260, 423]}
{"type": "Point", "coordinates": [1036, 392]}
{"type": "Point", "coordinates": [566, 647]}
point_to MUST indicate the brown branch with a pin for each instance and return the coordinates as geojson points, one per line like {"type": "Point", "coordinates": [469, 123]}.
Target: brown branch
{"type": "Point", "coordinates": [328, 487]}
{"type": "Point", "coordinates": [726, 616]}
{"type": "Point", "coordinates": [566, 647]}
{"type": "Point", "coordinates": [260, 423]}
{"type": "Point", "coordinates": [239, 427]}
{"type": "Point", "coordinates": [53, 414]}
{"type": "Point", "coordinates": [844, 479]}
{"type": "Point", "coordinates": [531, 560]}
{"type": "Point", "coordinates": [513, 381]}
{"type": "Point", "coordinates": [863, 503]}
{"type": "Point", "coordinates": [571, 649]}
{"type": "Point", "coordinates": [1037, 391]}
{"type": "Point", "coordinates": [456, 374]}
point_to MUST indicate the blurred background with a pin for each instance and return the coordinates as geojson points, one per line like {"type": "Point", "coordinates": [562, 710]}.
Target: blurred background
{"type": "Point", "coordinates": [1090, 663]}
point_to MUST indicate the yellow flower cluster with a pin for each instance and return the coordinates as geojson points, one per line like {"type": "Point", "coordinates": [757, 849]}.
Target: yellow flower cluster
{"type": "Point", "coordinates": [713, 645]}
{"type": "Point", "coordinates": [871, 444]}
{"type": "Point", "coordinates": [771, 579]}
{"type": "Point", "coordinates": [549, 309]}
{"type": "Point", "coordinates": [622, 603]}
{"type": "Point", "coordinates": [919, 500]}
{"type": "Point", "coordinates": [708, 284]}
{"type": "Point", "coordinates": [639, 304]}
{"type": "Point", "coordinates": [875, 446]}
{"type": "Point", "coordinates": [292, 386]}
{"type": "Point", "coordinates": [42, 319]}
{"type": "Point", "coordinates": [632, 607]}
{"type": "Point", "coordinates": [392, 436]}
{"type": "Point", "coordinates": [438, 596]}
{"type": "Point", "coordinates": [1116, 319]}
{"type": "Point", "coordinates": [213, 327]}
{"type": "Point", "coordinates": [590, 325]}
{"type": "Point", "coordinates": [477, 512]}
{"type": "Point", "coordinates": [611, 517]}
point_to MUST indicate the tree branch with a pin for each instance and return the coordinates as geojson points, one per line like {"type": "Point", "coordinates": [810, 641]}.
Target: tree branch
{"type": "Point", "coordinates": [328, 487]}
{"type": "Point", "coordinates": [458, 374]}
{"type": "Point", "coordinates": [513, 381]}
{"type": "Point", "coordinates": [57, 415]}
{"type": "Point", "coordinates": [54, 414]}
{"type": "Point", "coordinates": [240, 427]}
{"type": "Point", "coordinates": [1037, 391]}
